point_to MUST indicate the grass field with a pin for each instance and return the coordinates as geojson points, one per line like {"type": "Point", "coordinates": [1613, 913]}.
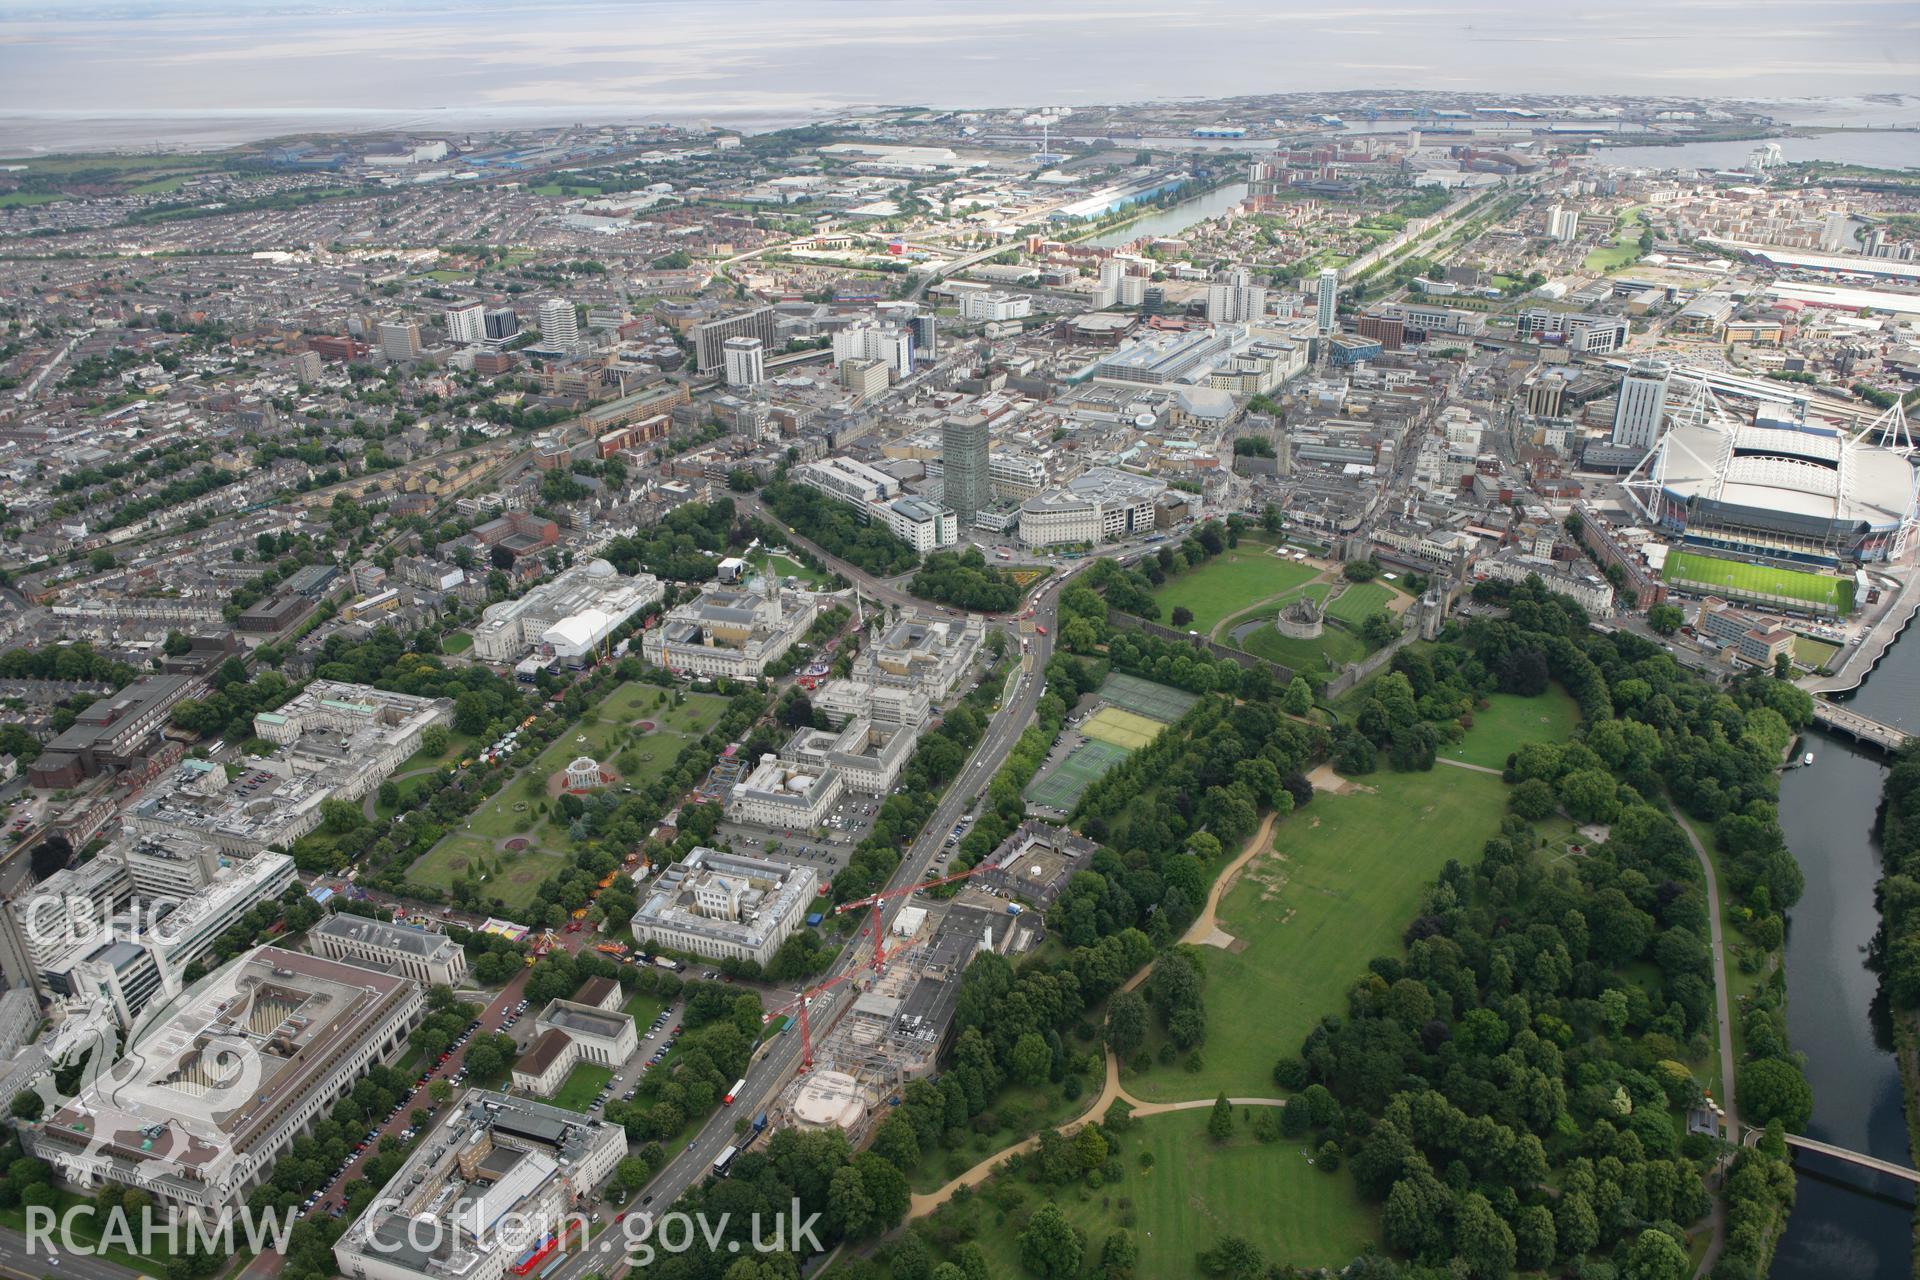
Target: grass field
{"type": "Point", "coordinates": [1144, 697]}
{"type": "Point", "coordinates": [1228, 583]}
{"type": "Point", "coordinates": [582, 1085]}
{"type": "Point", "coordinates": [1266, 609]}
{"type": "Point", "coordinates": [1625, 248]}
{"type": "Point", "coordinates": [1359, 601]}
{"type": "Point", "coordinates": [1510, 720]}
{"type": "Point", "coordinates": [1062, 787]}
{"type": "Point", "coordinates": [606, 734]}
{"type": "Point", "coordinates": [787, 568]}
{"type": "Point", "coordinates": [19, 199]}
{"type": "Point", "coordinates": [1197, 1191]}
{"type": "Point", "coordinates": [1122, 728]}
{"type": "Point", "coordinates": [458, 642]}
{"type": "Point", "coordinates": [1344, 877]}
{"type": "Point", "coordinates": [1327, 654]}
{"type": "Point", "coordinates": [1760, 583]}
{"type": "Point", "coordinates": [1815, 654]}
{"type": "Point", "coordinates": [643, 1009]}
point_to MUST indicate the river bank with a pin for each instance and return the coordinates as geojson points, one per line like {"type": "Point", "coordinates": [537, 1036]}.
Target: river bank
{"type": "Point", "coordinates": [1848, 1224]}
{"type": "Point", "coordinates": [1195, 207]}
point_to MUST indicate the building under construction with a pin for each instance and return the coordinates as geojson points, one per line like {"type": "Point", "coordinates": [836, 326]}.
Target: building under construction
{"type": "Point", "coordinates": [890, 1026]}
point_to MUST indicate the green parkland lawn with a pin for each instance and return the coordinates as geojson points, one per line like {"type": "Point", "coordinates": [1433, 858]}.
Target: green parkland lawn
{"type": "Point", "coordinates": [1228, 583]}
{"type": "Point", "coordinates": [1360, 601]}
{"type": "Point", "coordinates": [1511, 720]}
{"type": "Point", "coordinates": [1344, 876]}
{"type": "Point", "coordinates": [1197, 1191]}
{"type": "Point", "coordinates": [1761, 584]}
{"type": "Point", "coordinates": [606, 733]}
{"type": "Point", "coordinates": [581, 1087]}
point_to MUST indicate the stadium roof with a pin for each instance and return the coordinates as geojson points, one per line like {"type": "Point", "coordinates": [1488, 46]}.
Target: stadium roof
{"type": "Point", "coordinates": [1792, 473]}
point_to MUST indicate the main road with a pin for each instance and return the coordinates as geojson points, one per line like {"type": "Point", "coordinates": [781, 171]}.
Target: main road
{"type": "Point", "coordinates": [778, 1058]}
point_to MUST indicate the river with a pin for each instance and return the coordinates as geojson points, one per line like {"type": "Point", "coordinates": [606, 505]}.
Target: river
{"type": "Point", "coordinates": [1882, 149]}
{"type": "Point", "coordinates": [1174, 219]}
{"type": "Point", "coordinates": [1849, 1224]}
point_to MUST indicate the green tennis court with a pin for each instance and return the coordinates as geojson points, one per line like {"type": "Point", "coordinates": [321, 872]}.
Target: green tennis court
{"type": "Point", "coordinates": [1145, 698]}
{"type": "Point", "coordinates": [1064, 785]}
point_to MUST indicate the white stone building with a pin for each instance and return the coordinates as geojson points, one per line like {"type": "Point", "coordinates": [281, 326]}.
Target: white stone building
{"type": "Point", "coordinates": [715, 905]}
{"type": "Point", "coordinates": [432, 959]}
{"type": "Point", "coordinates": [730, 631]}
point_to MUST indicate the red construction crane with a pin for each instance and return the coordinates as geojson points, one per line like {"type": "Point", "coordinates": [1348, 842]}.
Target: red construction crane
{"type": "Point", "coordinates": [800, 1005]}
{"type": "Point", "coordinates": [875, 899]}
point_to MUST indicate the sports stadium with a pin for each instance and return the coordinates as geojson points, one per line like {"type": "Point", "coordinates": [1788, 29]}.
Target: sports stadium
{"type": "Point", "coordinates": [1777, 511]}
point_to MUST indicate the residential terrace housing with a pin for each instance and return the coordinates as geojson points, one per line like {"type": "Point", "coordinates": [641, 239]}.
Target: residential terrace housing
{"type": "Point", "coordinates": [337, 741]}
{"type": "Point", "coordinates": [487, 1181]}
{"type": "Point", "coordinates": [311, 1026]}
{"type": "Point", "coordinates": [730, 631]}
{"type": "Point", "coordinates": [715, 905]}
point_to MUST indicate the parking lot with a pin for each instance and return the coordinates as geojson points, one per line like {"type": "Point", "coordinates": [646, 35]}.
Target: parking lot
{"type": "Point", "coordinates": [826, 851]}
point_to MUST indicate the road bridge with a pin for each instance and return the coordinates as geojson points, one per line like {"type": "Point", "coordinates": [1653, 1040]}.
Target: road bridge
{"type": "Point", "coordinates": [1835, 718]}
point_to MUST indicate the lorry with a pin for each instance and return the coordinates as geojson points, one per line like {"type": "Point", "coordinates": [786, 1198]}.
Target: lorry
{"type": "Point", "coordinates": [668, 962]}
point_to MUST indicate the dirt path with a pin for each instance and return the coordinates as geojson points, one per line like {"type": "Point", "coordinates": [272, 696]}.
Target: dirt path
{"type": "Point", "coordinates": [1329, 575]}
{"type": "Point", "coordinates": [1202, 928]}
{"type": "Point", "coordinates": [1462, 764]}
{"type": "Point", "coordinates": [922, 1205]}
{"type": "Point", "coordinates": [1717, 1240]}
{"type": "Point", "coordinates": [1207, 921]}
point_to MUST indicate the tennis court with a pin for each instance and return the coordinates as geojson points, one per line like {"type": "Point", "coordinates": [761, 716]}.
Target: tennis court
{"type": "Point", "coordinates": [1122, 728]}
{"type": "Point", "coordinates": [1145, 698]}
{"type": "Point", "coordinates": [1062, 786]}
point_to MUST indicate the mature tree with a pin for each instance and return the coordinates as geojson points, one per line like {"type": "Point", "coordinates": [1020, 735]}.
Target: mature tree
{"type": "Point", "coordinates": [1774, 1088]}
{"type": "Point", "coordinates": [1533, 799]}
{"type": "Point", "coordinates": [1482, 1240]}
{"type": "Point", "coordinates": [1119, 1255]}
{"type": "Point", "coordinates": [1030, 1060]}
{"type": "Point", "coordinates": [28, 1105]}
{"type": "Point", "coordinates": [1533, 1238]}
{"type": "Point", "coordinates": [1181, 615]}
{"type": "Point", "coordinates": [1234, 1258]}
{"type": "Point", "coordinates": [1415, 1218]}
{"type": "Point", "coordinates": [1126, 1023]}
{"type": "Point", "coordinates": [1665, 619]}
{"type": "Point", "coordinates": [1050, 1247]}
{"type": "Point", "coordinates": [1298, 698]}
{"type": "Point", "coordinates": [1655, 1255]}
{"type": "Point", "coordinates": [1220, 1123]}
{"type": "Point", "coordinates": [1576, 1226]}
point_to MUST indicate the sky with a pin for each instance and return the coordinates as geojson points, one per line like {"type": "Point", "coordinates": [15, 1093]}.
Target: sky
{"type": "Point", "coordinates": [181, 64]}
